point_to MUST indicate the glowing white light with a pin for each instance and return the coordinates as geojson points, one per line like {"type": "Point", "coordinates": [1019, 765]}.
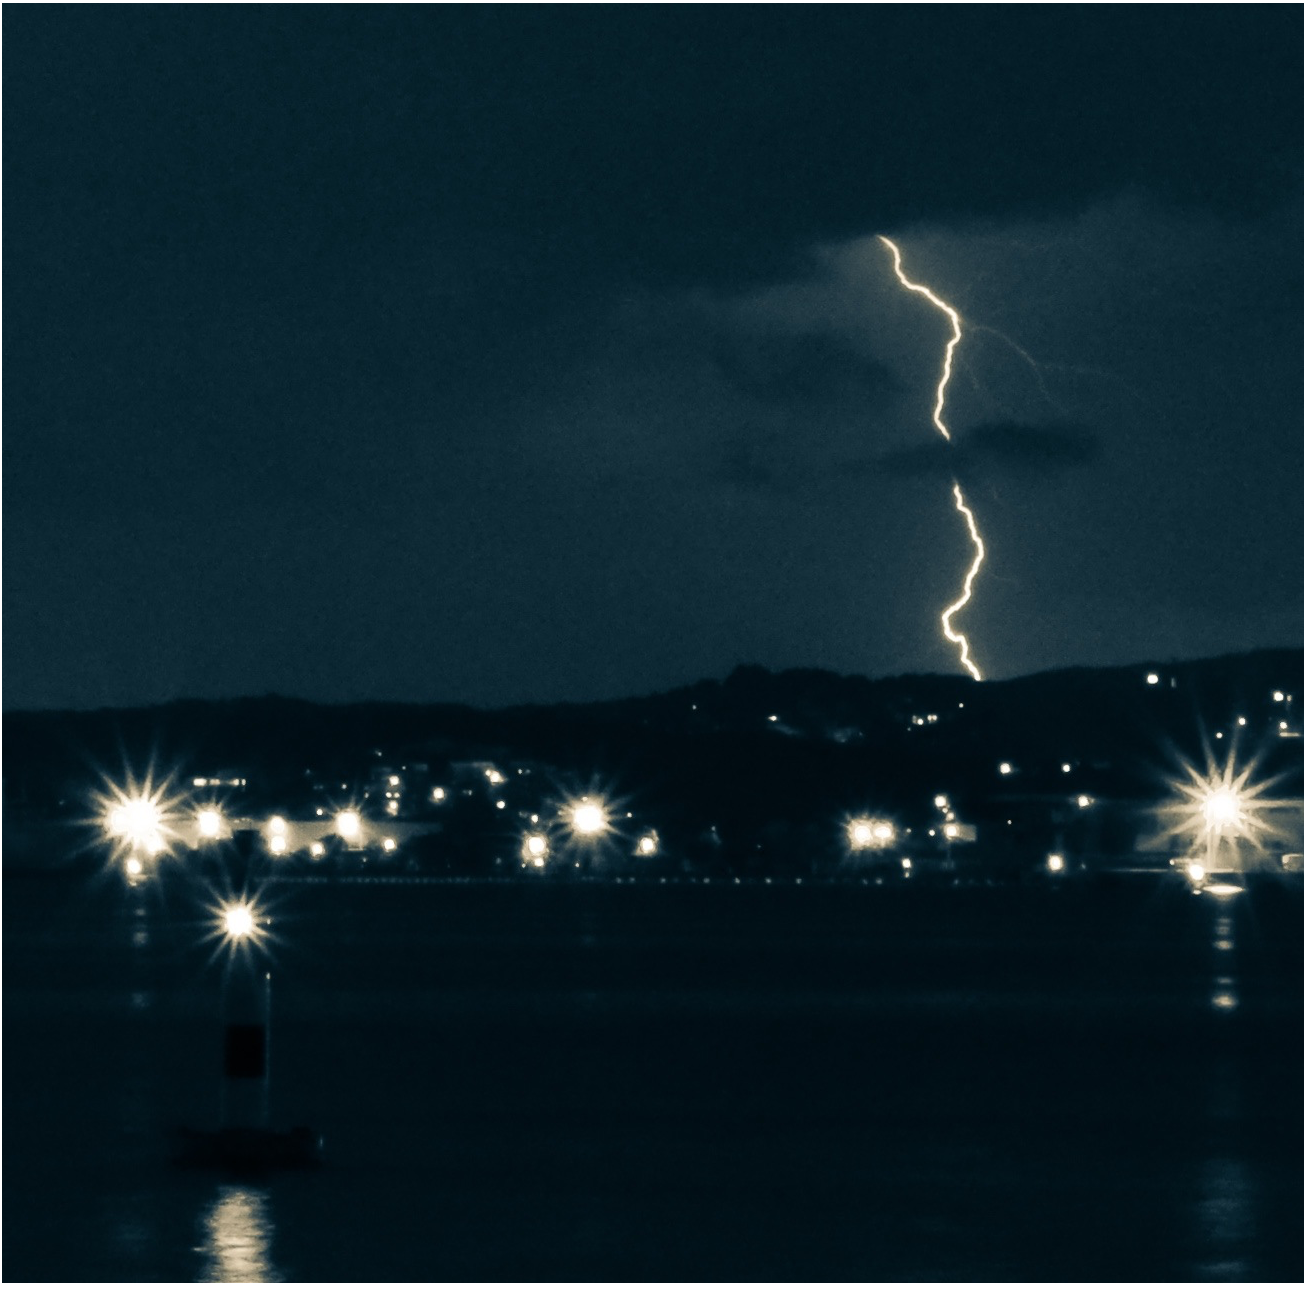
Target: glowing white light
{"type": "Point", "coordinates": [278, 843]}
{"type": "Point", "coordinates": [1196, 872]}
{"type": "Point", "coordinates": [199, 783]}
{"type": "Point", "coordinates": [348, 824]}
{"type": "Point", "coordinates": [1278, 696]}
{"type": "Point", "coordinates": [587, 818]}
{"type": "Point", "coordinates": [501, 805]}
{"type": "Point", "coordinates": [439, 794]}
{"type": "Point", "coordinates": [1284, 725]}
{"type": "Point", "coordinates": [1083, 802]}
{"type": "Point", "coordinates": [136, 819]}
{"type": "Point", "coordinates": [941, 801]}
{"type": "Point", "coordinates": [1243, 720]}
{"type": "Point", "coordinates": [495, 776]}
{"type": "Point", "coordinates": [277, 824]}
{"type": "Point", "coordinates": [535, 844]}
{"type": "Point", "coordinates": [1152, 678]}
{"type": "Point", "coordinates": [133, 866]}
{"type": "Point", "coordinates": [647, 845]}
{"type": "Point", "coordinates": [238, 921]}
{"type": "Point", "coordinates": [1221, 809]}
{"type": "Point", "coordinates": [394, 780]}
{"type": "Point", "coordinates": [940, 399]}
{"type": "Point", "coordinates": [1065, 767]}
{"type": "Point", "coordinates": [863, 834]}
{"type": "Point", "coordinates": [317, 849]}
{"type": "Point", "coordinates": [1056, 863]}
{"type": "Point", "coordinates": [906, 863]}
{"type": "Point", "coordinates": [771, 718]}
{"type": "Point", "coordinates": [1005, 767]}
{"type": "Point", "coordinates": [952, 831]}
{"type": "Point", "coordinates": [209, 823]}
{"type": "Point", "coordinates": [389, 843]}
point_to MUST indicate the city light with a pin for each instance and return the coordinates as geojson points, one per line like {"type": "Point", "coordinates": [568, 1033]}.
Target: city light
{"type": "Point", "coordinates": [138, 822]}
{"type": "Point", "coordinates": [587, 818]}
{"type": "Point", "coordinates": [439, 794]}
{"type": "Point", "coordinates": [133, 866]}
{"type": "Point", "coordinates": [277, 825]}
{"type": "Point", "coordinates": [1278, 696]}
{"type": "Point", "coordinates": [906, 863]}
{"type": "Point", "coordinates": [1220, 809]}
{"type": "Point", "coordinates": [1218, 806]}
{"type": "Point", "coordinates": [389, 844]}
{"type": "Point", "coordinates": [209, 823]}
{"type": "Point", "coordinates": [1083, 802]}
{"type": "Point", "coordinates": [647, 845]}
{"type": "Point", "coordinates": [317, 849]}
{"type": "Point", "coordinates": [1065, 767]}
{"type": "Point", "coordinates": [347, 824]}
{"type": "Point", "coordinates": [869, 834]}
{"type": "Point", "coordinates": [1005, 767]}
{"type": "Point", "coordinates": [1196, 872]}
{"type": "Point", "coordinates": [278, 844]}
{"type": "Point", "coordinates": [952, 831]}
{"type": "Point", "coordinates": [238, 921]}
{"type": "Point", "coordinates": [1056, 863]}
{"type": "Point", "coordinates": [941, 802]}
{"type": "Point", "coordinates": [136, 818]}
{"type": "Point", "coordinates": [1152, 678]}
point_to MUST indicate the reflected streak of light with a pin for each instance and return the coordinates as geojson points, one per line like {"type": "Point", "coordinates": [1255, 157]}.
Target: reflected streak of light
{"type": "Point", "coordinates": [238, 1238]}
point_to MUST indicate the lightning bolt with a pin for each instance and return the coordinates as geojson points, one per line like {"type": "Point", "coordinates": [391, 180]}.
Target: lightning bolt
{"type": "Point", "coordinates": [940, 400]}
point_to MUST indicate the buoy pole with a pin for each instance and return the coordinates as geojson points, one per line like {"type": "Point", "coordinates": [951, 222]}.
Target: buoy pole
{"type": "Point", "coordinates": [246, 1012]}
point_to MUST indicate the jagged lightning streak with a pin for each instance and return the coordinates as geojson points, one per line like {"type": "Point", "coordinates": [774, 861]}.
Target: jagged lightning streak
{"type": "Point", "coordinates": [955, 637]}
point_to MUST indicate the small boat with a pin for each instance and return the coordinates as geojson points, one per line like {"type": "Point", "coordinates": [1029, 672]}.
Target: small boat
{"type": "Point", "coordinates": [250, 1150]}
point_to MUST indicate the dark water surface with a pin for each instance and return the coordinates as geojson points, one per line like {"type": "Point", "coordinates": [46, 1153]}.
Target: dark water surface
{"type": "Point", "coordinates": [704, 1082]}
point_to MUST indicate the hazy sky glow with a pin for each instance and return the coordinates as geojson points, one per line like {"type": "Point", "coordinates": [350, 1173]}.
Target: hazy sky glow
{"type": "Point", "coordinates": [514, 354]}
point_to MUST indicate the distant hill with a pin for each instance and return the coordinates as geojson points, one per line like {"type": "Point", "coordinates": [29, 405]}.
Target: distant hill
{"type": "Point", "coordinates": [799, 737]}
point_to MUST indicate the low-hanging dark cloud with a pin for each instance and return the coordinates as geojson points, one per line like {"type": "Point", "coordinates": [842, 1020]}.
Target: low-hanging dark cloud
{"type": "Point", "coordinates": [809, 368]}
{"type": "Point", "coordinates": [1007, 447]}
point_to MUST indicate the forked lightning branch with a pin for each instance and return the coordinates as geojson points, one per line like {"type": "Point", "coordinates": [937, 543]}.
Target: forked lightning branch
{"type": "Point", "coordinates": [955, 637]}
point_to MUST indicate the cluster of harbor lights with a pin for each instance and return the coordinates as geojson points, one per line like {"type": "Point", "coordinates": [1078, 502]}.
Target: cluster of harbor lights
{"type": "Point", "coordinates": [1212, 810]}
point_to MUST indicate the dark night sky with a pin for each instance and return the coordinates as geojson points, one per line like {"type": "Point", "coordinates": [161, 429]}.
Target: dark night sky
{"type": "Point", "coordinates": [524, 353]}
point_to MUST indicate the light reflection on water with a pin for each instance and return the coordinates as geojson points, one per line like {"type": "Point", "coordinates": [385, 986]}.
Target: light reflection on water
{"type": "Point", "coordinates": [1224, 1213]}
{"type": "Point", "coordinates": [238, 1245]}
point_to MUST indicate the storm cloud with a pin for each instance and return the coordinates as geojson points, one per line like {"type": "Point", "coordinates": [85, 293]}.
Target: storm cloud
{"type": "Point", "coordinates": [1002, 447]}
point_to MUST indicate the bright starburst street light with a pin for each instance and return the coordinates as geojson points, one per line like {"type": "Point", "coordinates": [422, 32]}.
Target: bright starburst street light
{"type": "Point", "coordinates": [587, 818]}
{"type": "Point", "coordinates": [1220, 809]}
{"type": "Point", "coordinates": [238, 921]}
{"type": "Point", "coordinates": [1219, 806]}
{"type": "Point", "coordinates": [347, 824]}
{"type": "Point", "coordinates": [209, 823]}
{"type": "Point", "coordinates": [136, 821]}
